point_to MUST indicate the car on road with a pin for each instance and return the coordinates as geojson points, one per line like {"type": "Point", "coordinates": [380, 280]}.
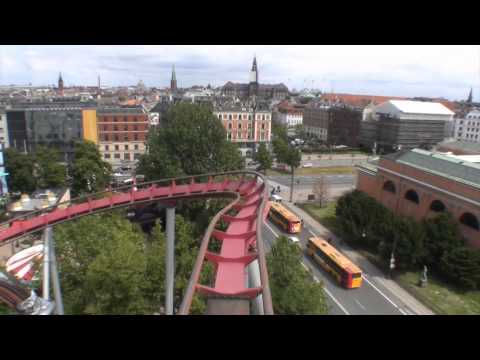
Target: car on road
{"type": "Point", "coordinates": [307, 165]}
{"type": "Point", "coordinates": [294, 240]}
{"type": "Point", "coordinates": [276, 198]}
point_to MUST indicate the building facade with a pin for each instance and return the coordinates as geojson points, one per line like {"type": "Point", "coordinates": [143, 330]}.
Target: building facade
{"type": "Point", "coordinates": [468, 128]}
{"type": "Point", "coordinates": [3, 128]}
{"type": "Point", "coordinates": [245, 126]}
{"type": "Point", "coordinates": [254, 88]}
{"type": "Point", "coordinates": [405, 124]}
{"type": "Point", "coordinates": [336, 125]}
{"type": "Point", "coordinates": [288, 115]}
{"type": "Point", "coordinates": [421, 184]}
{"type": "Point", "coordinates": [122, 133]}
{"type": "Point", "coordinates": [52, 124]}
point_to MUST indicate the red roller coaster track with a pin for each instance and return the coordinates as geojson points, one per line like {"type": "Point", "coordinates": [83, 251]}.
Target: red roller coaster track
{"type": "Point", "coordinates": [241, 243]}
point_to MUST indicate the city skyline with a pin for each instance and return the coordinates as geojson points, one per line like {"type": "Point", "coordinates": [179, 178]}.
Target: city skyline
{"type": "Point", "coordinates": [430, 71]}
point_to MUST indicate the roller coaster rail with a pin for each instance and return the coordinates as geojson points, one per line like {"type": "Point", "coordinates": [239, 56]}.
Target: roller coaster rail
{"type": "Point", "coordinates": [232, 184]}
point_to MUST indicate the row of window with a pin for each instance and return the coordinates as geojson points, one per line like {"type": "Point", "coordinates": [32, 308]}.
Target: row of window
{"type": "Point", "coordinates": [126, 156]}
{"type": "Point", "coordinates": [467, 218]}
{"type": "Point", "coordinates": [123, 119]}
{"type": "Point", "coordinates": [117, 147]}
{"type": "Point", "coordinates": [125, 128]}
{"type": "Point", "coordinates": [468, 136]}
{"type": "Point", "coordinates": [115, 137]}
{"type": "Point", "coordinates": [469, 129]}
{"type": "Point", "coordinates": [473, 117]}
{"type": "Point", "coordinates": [239, 116]}
{"type": "Point", "coordinates": [239, 126]}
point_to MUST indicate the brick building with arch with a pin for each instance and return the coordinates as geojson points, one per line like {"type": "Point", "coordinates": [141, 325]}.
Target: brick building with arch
{"type": "Point", "coordinates": [421, 184]}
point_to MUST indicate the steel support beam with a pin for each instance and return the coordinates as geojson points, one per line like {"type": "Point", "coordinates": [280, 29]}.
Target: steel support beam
{"type": "Point", "coordinates": [170, 261]}
{"type": "Point", "coordinates": [57, 292]}
{"type": "Point", "coordinates": [254, 281]}
{"type": "Point", "coordinates": [46, 265]}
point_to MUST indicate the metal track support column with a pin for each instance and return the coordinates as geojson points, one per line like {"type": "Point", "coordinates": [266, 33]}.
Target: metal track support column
{"type": "Point", "coordinates": [170, 261]}
{"type": "Point", "coordinates": [254, 281]}
{"type": "Point", "coordinates": [57, 291]}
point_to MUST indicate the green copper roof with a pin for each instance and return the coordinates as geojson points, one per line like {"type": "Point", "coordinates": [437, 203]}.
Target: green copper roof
{"type": "Point", "coordinates": [442, 165]}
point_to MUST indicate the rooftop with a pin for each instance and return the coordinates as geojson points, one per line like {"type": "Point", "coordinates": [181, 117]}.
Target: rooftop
{"type": "Point", "coordinates": [439, 164]}
{"type": "Point", "coordinates": [461, 145]}
{"type": "Point", "coordinates": [421, 107]}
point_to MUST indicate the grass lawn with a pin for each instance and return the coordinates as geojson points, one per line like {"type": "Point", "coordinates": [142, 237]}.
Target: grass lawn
{"type": "Point", "coordinates": [315, 171]}
{"type": "Point", "coordinates": [442, 298]}
{"type": "Point", "coordinates": [325, 216]}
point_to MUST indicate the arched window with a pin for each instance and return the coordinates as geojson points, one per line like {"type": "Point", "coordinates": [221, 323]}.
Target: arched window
{"type": "Point", "coordinates": [412, 196]}
{"type": "Point", "coordinates": [437, 206]}
{"type": "Point", "coordinates": [389, 186]}
{"type": "Point", "coordinates": [470, 220]}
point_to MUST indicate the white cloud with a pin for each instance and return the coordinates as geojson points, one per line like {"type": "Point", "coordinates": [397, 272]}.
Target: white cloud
{"type": "Point", "coordinates": [418, 70]}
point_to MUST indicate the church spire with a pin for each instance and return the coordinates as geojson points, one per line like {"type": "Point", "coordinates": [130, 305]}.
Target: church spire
{"type": "Point", "coordinates": [60, 85]}
{"type": "Point", "coordinates": [254, 65]}
{"type": "Point", "coordinates": [173, 81]}
{"type": "Point", "coordinates": [470, 96]}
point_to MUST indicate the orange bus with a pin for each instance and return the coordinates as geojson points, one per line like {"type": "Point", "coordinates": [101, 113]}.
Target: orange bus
{"type": "Point", "coordinates": [343, 270]}
{"type": "Point", "coordinates": [285, 218]}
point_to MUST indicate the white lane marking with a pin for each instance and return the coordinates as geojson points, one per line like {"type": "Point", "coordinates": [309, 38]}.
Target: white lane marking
{"type": "Point", "coordinates": [385, 296]}
{"type": "Point", "coordinates": [336, 301]}
{"type": "Point", "coordinates": [270, 228]}
{"type": "Point", "coordinates": [359, 304]}
{"type": "Point", "coordinates": [327, 291]}
{"type": "Point", "coordinates": [311, 232]}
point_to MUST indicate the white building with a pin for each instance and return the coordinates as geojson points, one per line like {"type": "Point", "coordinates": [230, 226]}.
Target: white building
{"type": "Point", "coordinates": [3, 129]}
{"type": "Point", "coordinates": [468, 129]}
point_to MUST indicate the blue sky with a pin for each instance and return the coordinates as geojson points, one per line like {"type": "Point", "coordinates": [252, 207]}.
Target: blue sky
{"type": "Point", "coordinates": [432, 70]}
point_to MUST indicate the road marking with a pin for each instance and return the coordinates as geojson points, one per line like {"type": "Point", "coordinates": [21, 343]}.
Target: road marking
{"type": "Point", "coordinates": [270, 228]}
{"type": "Point", "coordinates": [385, 296]}
{"type": "Point", "coordinates": [336, 301]}
{"type": "Point", "coordinates": [359, 304]}
{"type": "Point", "coordinates": [327, 291]}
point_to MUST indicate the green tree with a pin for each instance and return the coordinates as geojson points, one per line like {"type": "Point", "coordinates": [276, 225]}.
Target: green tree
{"type": "Point", "coordinates": [292, 157]}
{"type": "Point", "coordinates": [263, 157]}
{"type": "Point", "coordinates": [192, 141]}
{"type": "Point", "coordinates": [20, 168]}
{"type": "Point", "coordinates": [462, 267]}
{"type": "Point", "coordinates": [48, 170]}
{"type": "Point", "coordinates": [294, 292]}
{"type": "Point", "coordinates": [89, 172]}
{"type": "Point", "coordinates": [442, 236]}
{"type": "Point", "coordinates": [102, 266]}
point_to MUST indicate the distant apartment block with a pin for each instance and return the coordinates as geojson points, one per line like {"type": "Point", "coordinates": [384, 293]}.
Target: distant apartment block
{"type": "Point", "coordinates": [333, 124]}
{"type": "Point", "coordinates": [289, 115]}
{"type": "Point", "coordinates": [3, 129]}
{"type": "Point", "coordinates": [245, 126]}
{"type": "Point", "coordinates": [405, 124]}
{"type": "Point", "coordinates": [468, 128]}
{"type": "Point", "coordinates": [421, 184]}
{"type": "Point", "coordinates": [122, 133]}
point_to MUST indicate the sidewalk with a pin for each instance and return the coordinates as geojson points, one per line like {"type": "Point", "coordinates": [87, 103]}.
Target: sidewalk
{"type": "Point", "coordinates": [373, 272]}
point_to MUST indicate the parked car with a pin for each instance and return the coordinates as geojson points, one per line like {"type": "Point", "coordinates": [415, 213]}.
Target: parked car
{"type": "Point", "coordinates": [294, 240]}
{"type": "Point", "coordinates": [307, 165]}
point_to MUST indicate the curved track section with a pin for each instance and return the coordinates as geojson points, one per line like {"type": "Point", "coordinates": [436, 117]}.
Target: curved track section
{"type": "Point", "coordinates": [241, 243]}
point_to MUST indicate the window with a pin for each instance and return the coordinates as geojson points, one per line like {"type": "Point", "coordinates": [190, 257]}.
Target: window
{"type": "Point", "coordinates": [229, 125]}
{"type": "Point", "coordinates": [470, 220]}
{"type": "Point", "coordinates": [263, 117]}
{"type": "Point", "coordinates": [229, 116]}
{"type": "Point", "coordinates": [125, 137]}
{"type": "Point", "coordinates": [106, 147]}
{"type": "Point", "coordinates": [115, 128]}
{"type": "Point", "coordinates": [135, 137]}
{"type": "Point", "coordinates": [125, 128]}
{"type": "Point", "coordinates": [116, 137]}
{"type": "Point", "coordinates": [390, 187]}
{"type": "Point", "coordinates": [412, 196]}
{"type": "Point", "coordinates": [135, 127]}
{"type": "Point", "coordinates": [126, 156]}
{"type": "Point", "coordinates": [263, 126]}
{"type": "Point", "coordinates": [106, 156]}
{"type": "Point", "coordinates": [126, 147]}
{"type": "Point", "coordinates": [104, 127]}
{"type": "Point", "coordinates": [220, 116]}
{"type": "Point", "coordinates": [136, 156]}
{"type": "Point", "coordinates": [117, 147]}
{"type": "Point", "coordinates": [437, 206]}
{"type": "Point", "coordinates": [116, 156]}
{"type": "Point", "coordinates": [239, 126]}
{"type": "Point", "coordinates": [249, 117]}
{"type": "Point", "coordinates": [126, 119]}
{"type": "Point", "coordinates": [114, 119]}
{"type": "Point", "coordinates": [135, 146]}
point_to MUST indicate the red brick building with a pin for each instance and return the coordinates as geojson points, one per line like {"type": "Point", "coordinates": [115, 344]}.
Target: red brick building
{"type": "Point", "coordinates": [122, 133]}
{"type": "Point", "coordinates": [420, 184]}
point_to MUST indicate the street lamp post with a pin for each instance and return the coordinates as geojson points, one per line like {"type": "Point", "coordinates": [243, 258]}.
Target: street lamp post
{"type": "Point", "coordinates": [392, 258]}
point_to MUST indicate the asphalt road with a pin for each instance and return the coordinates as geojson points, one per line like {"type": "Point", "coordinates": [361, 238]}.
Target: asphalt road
{"type": "Point", "coordinates": [309, 180]}
{"type": "Point", "coordinates": [369, 299]}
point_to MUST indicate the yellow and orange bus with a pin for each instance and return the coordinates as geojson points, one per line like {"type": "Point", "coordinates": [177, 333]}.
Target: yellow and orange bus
{"type": "Point", "coordinates": [285, 218]}
{"type": "Point", "coordinates": [343, 270]}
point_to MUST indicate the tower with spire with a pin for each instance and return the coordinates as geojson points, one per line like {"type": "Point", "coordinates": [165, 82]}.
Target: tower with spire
{"type": "Point", "coordinates": [60, 85]}
{"type": "Point", "coordinates": [173, 81]}
{"type": "Point", "coordinates": [470, 96]}
{"type": "Point", "coordinates": [253, 85]}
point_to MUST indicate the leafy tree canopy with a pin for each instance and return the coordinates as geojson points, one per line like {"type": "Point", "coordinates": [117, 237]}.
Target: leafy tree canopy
{"type": "Point", "coordinates": [20, 168]}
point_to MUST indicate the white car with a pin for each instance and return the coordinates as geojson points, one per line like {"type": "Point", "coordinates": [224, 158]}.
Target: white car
{"type": "Point", "coordinates": [294, 240]}
{"type": "Point", "coordinates": [276, 198]}
{"type": "Point", "coordinates": [307, 165]}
